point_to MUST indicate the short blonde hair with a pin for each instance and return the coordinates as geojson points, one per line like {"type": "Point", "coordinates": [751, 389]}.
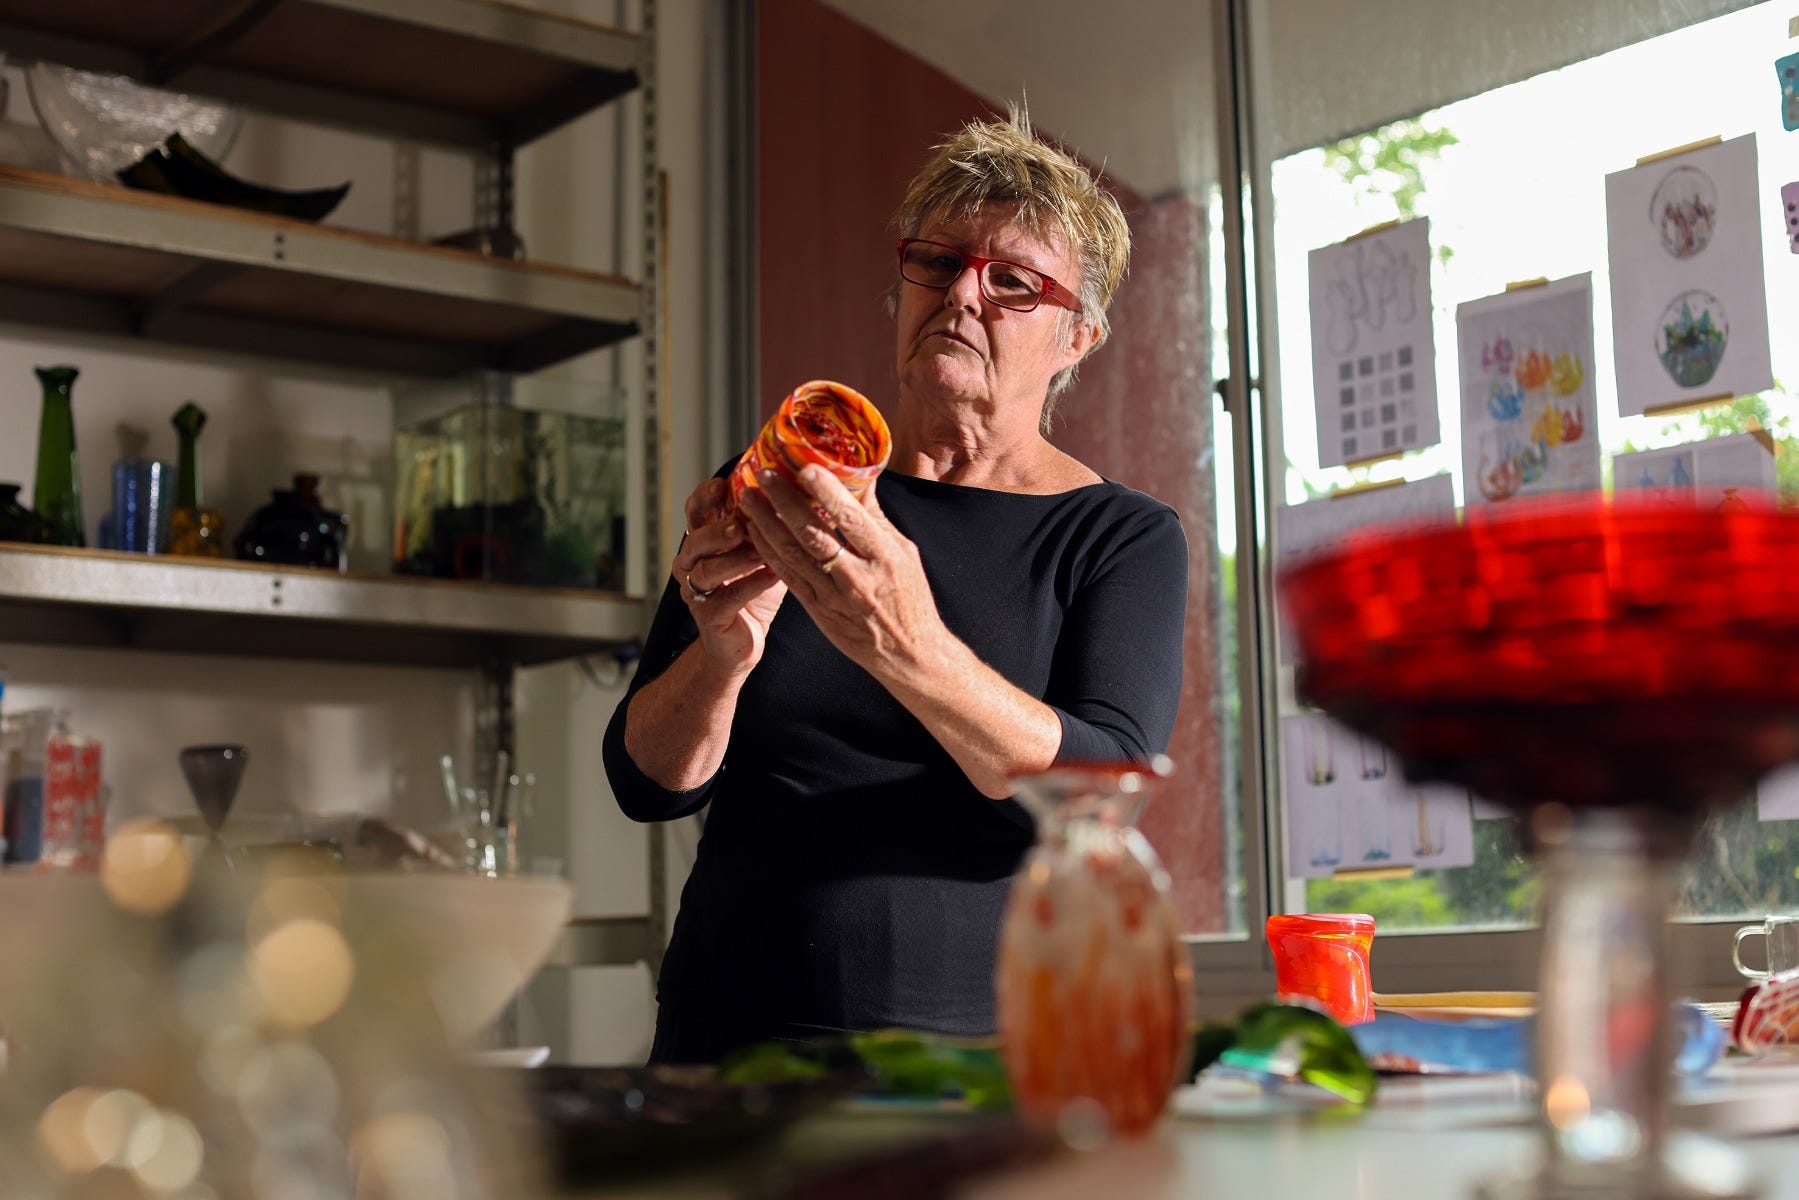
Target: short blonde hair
{"type": "Point", "coordinates": [1005, 162]}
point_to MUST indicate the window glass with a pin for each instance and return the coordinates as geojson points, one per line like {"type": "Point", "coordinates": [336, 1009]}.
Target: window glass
{"type": "Point", "coordinates": [1512, 181]}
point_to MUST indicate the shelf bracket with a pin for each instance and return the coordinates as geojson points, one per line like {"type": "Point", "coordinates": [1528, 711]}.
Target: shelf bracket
{"type": "Point", "coordinates": [148, 315]}
{"type": "Point", "coordinates": [166, 68]}
{"type": "Point", "coordinates": [588, 92]}
{"type": "Point", "coordinates": [494, 179]}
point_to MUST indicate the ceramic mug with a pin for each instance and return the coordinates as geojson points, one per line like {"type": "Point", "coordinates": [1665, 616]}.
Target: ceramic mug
{"type": "Point", "coordinates": [1783, 946]}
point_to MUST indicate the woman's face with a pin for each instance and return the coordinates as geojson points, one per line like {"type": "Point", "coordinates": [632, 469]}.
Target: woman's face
{"type": "Point", "coordinates": [956, 345]}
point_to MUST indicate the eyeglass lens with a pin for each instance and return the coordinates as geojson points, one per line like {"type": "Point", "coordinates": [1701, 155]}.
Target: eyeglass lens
{"type": "Point", "coordinates": [1006, 284]}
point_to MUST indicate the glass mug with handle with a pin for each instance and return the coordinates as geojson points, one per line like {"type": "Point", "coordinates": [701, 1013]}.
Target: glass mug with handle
{"type": "Point", "coordinates": [1782, 933]}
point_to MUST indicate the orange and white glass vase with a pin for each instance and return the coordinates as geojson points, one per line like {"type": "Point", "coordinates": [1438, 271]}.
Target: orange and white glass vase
{"type": "Point", "coordinates": [1096, 1001]}
{"type": "Point", "coordinates": [821, 422]}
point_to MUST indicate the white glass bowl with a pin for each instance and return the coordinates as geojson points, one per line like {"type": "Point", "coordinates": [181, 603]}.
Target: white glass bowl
{"type": "Point", "coordinates": [104, 123]}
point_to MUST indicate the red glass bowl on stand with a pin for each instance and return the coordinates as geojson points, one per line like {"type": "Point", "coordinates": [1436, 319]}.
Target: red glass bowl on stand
{"type": "Point", "coordinates": [1611, 671]}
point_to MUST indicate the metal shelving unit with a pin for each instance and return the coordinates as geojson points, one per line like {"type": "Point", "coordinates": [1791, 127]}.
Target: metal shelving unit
{"type": "Point", "coordinates": [486, 76]}
{"type": "Point", "coordinates": [103, 259]}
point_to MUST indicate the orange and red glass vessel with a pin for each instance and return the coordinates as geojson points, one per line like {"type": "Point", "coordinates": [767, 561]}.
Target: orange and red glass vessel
{"type": "Point", "coordinates": [1096, 996]}
{"type": "Point", "coordinates": [823, 423]}
{"type": "Point", "coordinates": [1323, 958]}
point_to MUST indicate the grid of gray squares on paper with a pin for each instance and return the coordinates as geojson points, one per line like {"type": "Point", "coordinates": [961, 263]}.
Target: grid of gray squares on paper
{"type": "Point", "coordinates": [1377, 403]}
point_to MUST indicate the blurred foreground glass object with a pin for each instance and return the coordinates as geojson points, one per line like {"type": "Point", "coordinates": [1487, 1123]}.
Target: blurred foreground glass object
{"type": "Point", "coordinates": [1095, 989]}
{"type": "Point", "coordinates": [213, 774]}
{"type": "Point", "coordinates": [178, 1030]}
{"type": "Point", "coordinates": [1611, 671]}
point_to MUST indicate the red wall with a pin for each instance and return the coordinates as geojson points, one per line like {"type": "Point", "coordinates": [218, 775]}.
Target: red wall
{"type": "Point", "coordinates": [844, 119]}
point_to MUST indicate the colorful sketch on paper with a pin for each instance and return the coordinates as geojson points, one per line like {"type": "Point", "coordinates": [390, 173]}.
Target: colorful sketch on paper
{"type": "Point", "coordinates": [1689, 299]}
{"type": "Point", "coordinates": [1528, 405]}
{"type": "Point", "coordinates": [1684, 210]}
{"type": "Point", "coordinates": [1691, 337]}
{"type": "Point", "coordinates": [1668, 477]}
{"type": "Point", "coordinates": [1787, 68]}
{"type": "Point", "coordinates": [1789, 208]}
{"type": "Point", "coordinates": [1373, 366]}
{"type": "Point", "coordinates": [1719, 474]}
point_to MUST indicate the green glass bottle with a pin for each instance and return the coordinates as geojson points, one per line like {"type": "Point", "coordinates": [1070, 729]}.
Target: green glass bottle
{"type": "Point", "coordinates": [195, 531]}
{"type": "Point", "coordinates": [57, 493]}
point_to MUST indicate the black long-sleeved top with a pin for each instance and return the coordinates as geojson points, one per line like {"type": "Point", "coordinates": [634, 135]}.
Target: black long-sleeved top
{"type": "Point", "coordinates": [850, 876]}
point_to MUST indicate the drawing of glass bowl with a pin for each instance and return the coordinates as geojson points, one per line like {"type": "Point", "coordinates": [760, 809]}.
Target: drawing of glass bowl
{"type": "Point", "coordinates": [1691, 336]}
{"type": "Point", "coordinates": [105, 123]}
{"type": "Point", "coordinates": [1684, 209]}
{"type": "Point", "coordinates": [1505, 400]}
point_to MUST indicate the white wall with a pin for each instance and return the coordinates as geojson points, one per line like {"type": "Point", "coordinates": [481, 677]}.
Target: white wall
{"type": "Point", "coordinates": [330, 737]}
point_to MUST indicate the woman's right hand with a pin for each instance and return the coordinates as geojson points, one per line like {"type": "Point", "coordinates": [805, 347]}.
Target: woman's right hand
{"type": "Point", "coordinates": [730, 591]}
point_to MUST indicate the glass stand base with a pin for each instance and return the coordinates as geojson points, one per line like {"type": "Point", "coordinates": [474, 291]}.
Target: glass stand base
{"type": "Point", "coordinates": [1694, 1167]}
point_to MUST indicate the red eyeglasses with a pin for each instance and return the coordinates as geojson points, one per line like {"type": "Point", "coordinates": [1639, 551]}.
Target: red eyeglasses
{"type": "Point", "coordinates": [935, 265]}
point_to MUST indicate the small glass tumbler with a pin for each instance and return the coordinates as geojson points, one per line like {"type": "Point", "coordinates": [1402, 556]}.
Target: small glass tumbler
{"type": "Point", "coordinates": [819, 422]}
{"type": "Point", "coordinates": [1323, 957]}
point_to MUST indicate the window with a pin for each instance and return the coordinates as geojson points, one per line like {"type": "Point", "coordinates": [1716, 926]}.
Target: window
{"type": "Point", "coordinates": [1506, 155]}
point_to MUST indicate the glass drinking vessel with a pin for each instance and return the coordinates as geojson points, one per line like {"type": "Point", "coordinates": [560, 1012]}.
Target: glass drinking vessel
{"type": "Point", "coordinates": [1323, 957]}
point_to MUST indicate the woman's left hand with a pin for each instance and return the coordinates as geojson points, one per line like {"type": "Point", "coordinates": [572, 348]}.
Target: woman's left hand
{"type": "Point", "coordinates": [867, 592]}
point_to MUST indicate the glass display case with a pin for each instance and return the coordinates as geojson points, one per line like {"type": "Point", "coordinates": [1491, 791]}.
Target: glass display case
{"type": "Point", "coordinates": [511, 481]}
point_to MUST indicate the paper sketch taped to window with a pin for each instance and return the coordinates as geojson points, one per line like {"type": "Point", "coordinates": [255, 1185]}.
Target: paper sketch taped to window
{"type": "Point", "coordinates": [1689, 314]}
{"type": "Point", "coordinates": [1719, 474]}
{"type": "Point", "coordinates": [1777, 796]}
{"type": "Point", "coordinates": [1373, 362]}
{"type": "Point", "coordinates": [1529, 413]}
{"type": "Point", "coordinates": [1318, 525]}
{"type": "Point", "coordinates": [1349, 806]}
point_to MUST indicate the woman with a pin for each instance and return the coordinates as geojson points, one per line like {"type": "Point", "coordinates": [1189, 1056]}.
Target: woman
{"type": "Point", "coordinates": [852, 698]}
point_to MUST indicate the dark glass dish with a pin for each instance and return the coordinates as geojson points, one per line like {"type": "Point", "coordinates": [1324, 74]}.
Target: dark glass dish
{"type": "Point", "coordinates": [18, 523]}
{"type": "Point", "coordinates": [176, 168]}
{"type": "Point", "coordinates": [601, 1121]}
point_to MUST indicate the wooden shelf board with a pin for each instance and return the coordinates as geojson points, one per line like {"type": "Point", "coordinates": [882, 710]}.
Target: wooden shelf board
{"type": "Point", "coordinates": [471, 72]}
{"type": "Point", "coordinates": [441, 310]}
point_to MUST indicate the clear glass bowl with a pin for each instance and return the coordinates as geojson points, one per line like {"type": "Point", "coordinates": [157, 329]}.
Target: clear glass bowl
{"type": "Point", "coordinates": [104, 123]}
